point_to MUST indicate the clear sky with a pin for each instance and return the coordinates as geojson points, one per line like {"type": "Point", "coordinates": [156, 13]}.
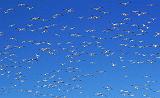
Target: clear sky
{"type": "Point", "coordinates": [79, 48]}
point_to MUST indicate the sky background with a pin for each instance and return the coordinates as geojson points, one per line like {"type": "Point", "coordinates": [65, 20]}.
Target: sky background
{"type": "Point", "coordinates": [119, 77]}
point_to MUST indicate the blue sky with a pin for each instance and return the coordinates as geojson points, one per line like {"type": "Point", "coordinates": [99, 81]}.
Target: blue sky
{"type": "Point", "coordinates": [115, 46]}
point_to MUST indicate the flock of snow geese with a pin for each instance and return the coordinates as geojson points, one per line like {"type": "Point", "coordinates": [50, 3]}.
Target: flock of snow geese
{"type": "Point", "coordinates": [97, 51]}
